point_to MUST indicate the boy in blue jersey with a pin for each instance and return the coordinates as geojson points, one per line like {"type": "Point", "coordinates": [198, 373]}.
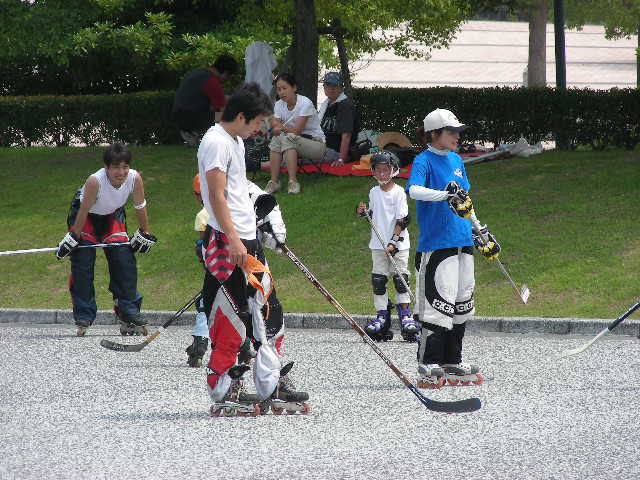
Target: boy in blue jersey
{"type": "Point", "coordinates": [444, 256]}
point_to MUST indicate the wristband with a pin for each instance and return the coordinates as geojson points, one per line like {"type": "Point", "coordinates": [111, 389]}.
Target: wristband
{"type": "Point", "coordinates": [141, 206]}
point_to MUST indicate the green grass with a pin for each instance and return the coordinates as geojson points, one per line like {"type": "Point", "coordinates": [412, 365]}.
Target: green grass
{"type": "Point", "coordinates": [567, 223]}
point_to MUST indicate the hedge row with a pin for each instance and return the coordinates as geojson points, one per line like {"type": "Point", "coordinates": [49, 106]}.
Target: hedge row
{"type": "Point", "coordinates": [497, 115]}
{"type": "Point", "coordinates": [142, 118]}
{"type": "Point", "coordinates": [593, 118]}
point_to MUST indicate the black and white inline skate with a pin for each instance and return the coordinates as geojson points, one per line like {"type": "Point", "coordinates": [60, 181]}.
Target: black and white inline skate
{"type": "Point", "coordinates": [461, 374]}
{"type": "Point", "coordinates": [409, 328]}
{"type": "Point", "coordinates": [379, 329]}
{"type": "Point", "coordinates": [285, 398]}
{"type": "Point", "coordinates": [196, 351]}
{"type": "Point", "coordinates": [130, 324]}
{"type": "Point", "coordinates": [237, 402]}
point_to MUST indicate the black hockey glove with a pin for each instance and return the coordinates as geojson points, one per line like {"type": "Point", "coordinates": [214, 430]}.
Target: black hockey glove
{"type": "Point", "coordinates": [142, 242]}
{"type": "Point", "coordinates": [67, 245]}
{"type": "Point", "coordinates": [393, 243]}
{"type": "Point", "coordinates": [490, 249]}
{"type": "Point", "coordinates": [459, 200]}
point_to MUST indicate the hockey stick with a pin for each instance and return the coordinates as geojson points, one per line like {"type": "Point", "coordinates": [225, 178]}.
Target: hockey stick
{"type": "Point", "coordinates": [523, 292]}
{"type": "Point", "coordinates": [611, 326]}
{"type": "Point", "coordinates": [119, 347]}
{"type": "Point", "coordinates": [53, 249]}
{"type": "Point", "coordinates": [459, 406]}
{"type": "Point", "coordinates": [389, 256]}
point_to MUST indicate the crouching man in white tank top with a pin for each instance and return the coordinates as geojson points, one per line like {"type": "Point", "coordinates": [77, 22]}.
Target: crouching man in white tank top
{"type": "Point", "coordinates": [97, 216]}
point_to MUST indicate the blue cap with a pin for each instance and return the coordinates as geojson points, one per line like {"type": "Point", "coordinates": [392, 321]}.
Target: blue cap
{"type": "Point", "coordinates": [333, 78]}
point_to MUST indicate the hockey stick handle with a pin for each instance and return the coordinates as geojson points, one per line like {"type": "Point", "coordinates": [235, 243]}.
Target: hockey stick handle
{"type": "Point", "coordinates": [53, 249]}
{"type": "Point", "coordinates": [622, 317]}
{"type": "Point", "coordinates": [477, 227]}
{"type": "Point", "coordinates": [176, 315]}
{"type": "Point", "coordinates": [389, 256]}
{"type": "Point", "coordinates": [343, 312]}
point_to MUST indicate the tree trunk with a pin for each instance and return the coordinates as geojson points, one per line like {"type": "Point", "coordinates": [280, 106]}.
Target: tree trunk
{"type": "Point", "coordinates": [537, 65]}
{"type": "Point", "coordinates": [305, 45]}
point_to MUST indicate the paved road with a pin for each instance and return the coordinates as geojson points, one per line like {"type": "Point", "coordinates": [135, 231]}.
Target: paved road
{"type": "Point", "coordinates": [71, 409]}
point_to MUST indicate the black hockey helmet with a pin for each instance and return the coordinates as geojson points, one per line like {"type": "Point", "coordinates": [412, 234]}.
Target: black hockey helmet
{"type": "Point", "coordinates": [385, 157]}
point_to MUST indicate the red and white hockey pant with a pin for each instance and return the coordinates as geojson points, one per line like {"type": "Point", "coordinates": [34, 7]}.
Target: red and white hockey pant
{"type": "Point", "coordinates": [237, 311]}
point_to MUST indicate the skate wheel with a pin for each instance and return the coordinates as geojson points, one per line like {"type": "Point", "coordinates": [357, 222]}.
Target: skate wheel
{"type": "Point", "coordinates": [453, 382]}
{"type": "Point", "coordinates": [479, 380]}
{"type": "Point", "coordinates": [431, 386]}
{"type": "Point", "coordinates": [306, 410]}
{"type": "Point", "coordinates": [276, 410]}
{"type": "Point", "coordinates": [215, 412]}
{"type": "Point", "coordinates": [466, 383]}
{"type": "Point", "coordinates": [256, 411]}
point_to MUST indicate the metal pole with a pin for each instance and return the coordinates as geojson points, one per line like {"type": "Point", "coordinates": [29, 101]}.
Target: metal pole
{"type": "Point", "coordinates": [561, 61]}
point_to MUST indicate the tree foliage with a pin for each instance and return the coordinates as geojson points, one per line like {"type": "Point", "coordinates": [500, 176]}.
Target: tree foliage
{"type": "Point", "coordinates": [94, 46]}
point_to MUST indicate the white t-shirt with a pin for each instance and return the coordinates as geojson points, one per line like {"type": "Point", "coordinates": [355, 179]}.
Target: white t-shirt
{"type": "Point", "coordinates": [387, 207]}
{"type": "Point", "coordinates": [110, 198]}
{"type": "Point", "coordinates": [220, 150]}
{"type": "Point", "coordinates": [304, 108]}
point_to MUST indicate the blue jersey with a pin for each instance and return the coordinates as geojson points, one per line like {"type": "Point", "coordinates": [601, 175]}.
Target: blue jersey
{"type": "Point", "coordinates": [439, 226]}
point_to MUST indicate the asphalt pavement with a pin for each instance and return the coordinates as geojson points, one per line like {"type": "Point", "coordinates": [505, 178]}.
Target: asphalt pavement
{"type": "Point", "coordinates": [72, 409]}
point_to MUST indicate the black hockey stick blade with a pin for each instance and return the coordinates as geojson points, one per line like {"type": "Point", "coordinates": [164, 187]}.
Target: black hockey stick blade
{"type": "Point", "coordinates": [457, 406]}
{"type": "Point", "coordinates": [120, 347]}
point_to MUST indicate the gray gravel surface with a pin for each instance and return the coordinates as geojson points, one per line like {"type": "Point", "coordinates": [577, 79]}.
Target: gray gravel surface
{"type": "Point", "coordinates": [71, 409]}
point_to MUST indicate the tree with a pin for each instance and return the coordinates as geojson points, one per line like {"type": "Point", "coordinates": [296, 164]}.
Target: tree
{"type": "Point", "coordinates": [93, 46]}
{"type": "Point", "coordinates": [620, 17]}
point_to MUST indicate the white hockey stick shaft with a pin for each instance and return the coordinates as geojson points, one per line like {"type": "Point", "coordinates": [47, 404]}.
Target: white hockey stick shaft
{"type": "Point", "coordinates": [524, 292]}
{"type": "Point", "coordinates": [610, 327]}
{"type": "Point", "coordinates": [389, 256]}
{"type": "Point", "coordinates": [53, 249]}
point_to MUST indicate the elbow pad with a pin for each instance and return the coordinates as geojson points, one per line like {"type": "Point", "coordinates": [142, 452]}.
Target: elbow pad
{"type": "Point", "coordinates": [404, 222]}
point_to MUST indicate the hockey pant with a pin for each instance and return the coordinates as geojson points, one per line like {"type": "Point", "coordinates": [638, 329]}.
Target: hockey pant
{"type": "Point", "coordinates": [123, 273]}
{"type": "Point", "coordinates": [444, 302]}
{"type": "Point", "coordinates": [237, 311]}
{"type": "Point", "coordinates": [383, 271]}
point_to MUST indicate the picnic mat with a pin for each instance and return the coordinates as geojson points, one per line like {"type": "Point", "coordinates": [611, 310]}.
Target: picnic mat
{"type": "Point", "coordinates": [360, 168]}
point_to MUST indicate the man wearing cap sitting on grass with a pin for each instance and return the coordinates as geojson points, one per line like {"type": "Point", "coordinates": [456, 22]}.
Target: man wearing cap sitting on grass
{"type": "Point", "coordinates": [338, 120]}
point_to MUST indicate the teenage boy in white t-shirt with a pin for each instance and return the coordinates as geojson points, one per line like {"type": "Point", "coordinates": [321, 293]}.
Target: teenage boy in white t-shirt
{"type": "Point", "coordinates": [234, 307]}
{"type": "Point", "coordinates": [390, 214]}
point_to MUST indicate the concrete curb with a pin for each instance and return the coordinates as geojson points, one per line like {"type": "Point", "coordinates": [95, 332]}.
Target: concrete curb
{"type": "Point", "coordinates": [581, 326]}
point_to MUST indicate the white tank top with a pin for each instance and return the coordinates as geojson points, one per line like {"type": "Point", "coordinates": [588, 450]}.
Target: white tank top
{"type": "Point", "coordinates": [110, 198]}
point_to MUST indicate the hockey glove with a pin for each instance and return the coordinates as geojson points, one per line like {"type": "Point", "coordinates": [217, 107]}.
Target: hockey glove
{"type": "Point", "coordinates": [67, 245]}
{"type": "Point", "coordinates": [142, 242]}
{"type": "Point", "coordinates": [361, 209]}
{"type": "Point", "coordinates": [489, 250]}
{"type": "Point", "coordinates": [263, 206]}
{"type": "Point", "coordinates": [393, 243]}
{"type": "Point", "coordinates": [459, 200]}
{"type": "Point", "coordinates": [273, 232]}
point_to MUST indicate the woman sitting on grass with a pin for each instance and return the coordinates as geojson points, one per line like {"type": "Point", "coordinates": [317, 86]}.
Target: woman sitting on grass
{"type": "Point", "coordinates": [296, 133]}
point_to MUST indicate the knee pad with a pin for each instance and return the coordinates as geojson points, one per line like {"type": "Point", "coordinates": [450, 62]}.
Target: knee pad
{"type": "Point", "coordinates": [397, 282]}
{"type": "Point", "coordinates": [379, 283]}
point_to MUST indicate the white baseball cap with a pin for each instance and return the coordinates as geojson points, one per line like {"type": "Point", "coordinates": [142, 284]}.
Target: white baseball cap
{"type": "Point", "coordinates": [441, 118]}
